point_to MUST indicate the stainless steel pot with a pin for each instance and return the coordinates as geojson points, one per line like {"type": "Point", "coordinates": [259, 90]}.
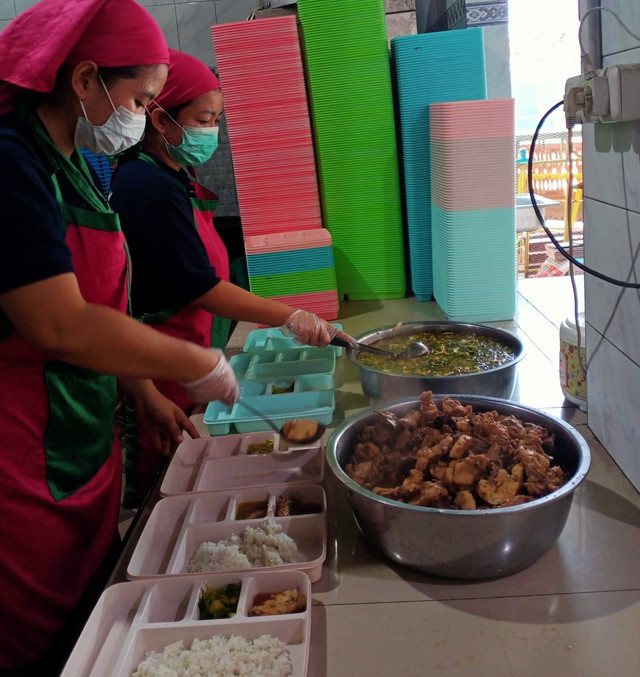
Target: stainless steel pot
{"type": "Point", "coordinates": [472, 543]}
{"type": "Point", "coordinates": [381, 386]}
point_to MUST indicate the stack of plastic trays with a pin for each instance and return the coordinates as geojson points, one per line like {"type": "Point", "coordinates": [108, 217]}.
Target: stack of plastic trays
{"type": "Point", "coordinates": [346, 54]}
{"type": "Point", "coordinates": [428, 68]}
{"type": "Point", "coordinates": [295, 268]}
{"type": "Point", "coordinates": [473, 210]}
{"type": "Point", "coordinates": [269, 129]}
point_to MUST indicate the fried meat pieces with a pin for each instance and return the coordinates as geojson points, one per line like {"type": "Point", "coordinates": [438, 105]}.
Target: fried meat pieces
{"type": "Point", "coordinates": [454, 458]}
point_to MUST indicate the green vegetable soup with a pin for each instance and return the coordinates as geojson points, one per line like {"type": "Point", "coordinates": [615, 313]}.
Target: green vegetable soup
{"type": "Point", "coordinates": [450, 354]}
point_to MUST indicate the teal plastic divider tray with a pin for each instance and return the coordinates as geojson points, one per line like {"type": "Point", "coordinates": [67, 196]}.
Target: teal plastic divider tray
{"type": "Point", "coordinates": [274, 339]}
{"type": "Point", "coordinates": [283, 364]}
{"type": "Point", "coordinates": [317, 405]}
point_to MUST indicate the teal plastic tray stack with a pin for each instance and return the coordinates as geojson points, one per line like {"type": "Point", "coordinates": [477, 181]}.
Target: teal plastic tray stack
{"type": "Point", "coordinates": [272, 361]}
{"type": "Point", "coordinates": [286, 273]}
{"type": "Point", "coordinates": [346, 56]}
{"type": "Point", "coordinates": [429, 68]}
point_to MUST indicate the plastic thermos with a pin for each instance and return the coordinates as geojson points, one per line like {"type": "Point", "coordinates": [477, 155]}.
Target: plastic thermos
{"type": "Point", "coordinates": [573, 380]}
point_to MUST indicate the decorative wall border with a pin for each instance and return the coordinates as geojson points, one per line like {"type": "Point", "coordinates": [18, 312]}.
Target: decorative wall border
{"type": "Point", "coordinates": [487, 13]}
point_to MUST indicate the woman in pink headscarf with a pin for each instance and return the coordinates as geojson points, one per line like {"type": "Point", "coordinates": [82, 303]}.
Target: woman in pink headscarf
{"type": "Point", "coordinates": [181, 269]}
{"type": "Point", "coordinates": [72, 73]}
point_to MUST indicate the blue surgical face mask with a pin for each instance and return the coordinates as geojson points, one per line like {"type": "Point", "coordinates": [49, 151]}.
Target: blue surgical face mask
{"type": "Point", "coordinates": [198, 145]}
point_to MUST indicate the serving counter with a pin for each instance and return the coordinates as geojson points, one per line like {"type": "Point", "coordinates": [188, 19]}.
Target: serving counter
{"type": "Point", "coordinates": [372, 617]}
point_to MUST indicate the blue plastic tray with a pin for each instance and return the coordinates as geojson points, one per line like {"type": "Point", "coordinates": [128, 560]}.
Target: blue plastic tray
{"type": "Point", "coordinates": [317, 405]}
{"type": "Point", "coordinates": [274, 339]}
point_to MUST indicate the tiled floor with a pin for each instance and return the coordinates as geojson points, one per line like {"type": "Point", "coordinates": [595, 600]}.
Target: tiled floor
{"type": "Point", "coordinates": [574, 613]}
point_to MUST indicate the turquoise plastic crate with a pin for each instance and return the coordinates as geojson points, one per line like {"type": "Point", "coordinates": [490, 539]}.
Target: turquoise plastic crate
{"type": "Point", "coordinates": [283, 364]}
{"type": "Point", "coordinates": [316, 405]}
{"type": "Point", "coordinates": [274, 339]}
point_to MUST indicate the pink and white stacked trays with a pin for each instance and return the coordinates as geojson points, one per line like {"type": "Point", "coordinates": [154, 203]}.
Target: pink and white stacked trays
{"type": "Point", "coordinates": [267, 115]}
{"type": "Point", "coordinates": [473, 209]}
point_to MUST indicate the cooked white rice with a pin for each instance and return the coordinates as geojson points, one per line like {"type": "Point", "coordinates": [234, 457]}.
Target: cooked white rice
{"type": "Point", "coordinates": [266, 656]}
{"type": "Point", "coordinates": [263, 546]}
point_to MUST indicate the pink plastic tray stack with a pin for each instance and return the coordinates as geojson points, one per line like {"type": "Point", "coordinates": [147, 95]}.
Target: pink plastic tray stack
{"type": "Point", "coordinates": [274, 164]}
{"type": "Point", "coordinates": [267, 115]}
{"type": "Point", "coordinates": [473, 209]}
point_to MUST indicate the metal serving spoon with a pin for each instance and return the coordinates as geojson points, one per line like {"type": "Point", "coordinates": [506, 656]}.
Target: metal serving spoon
{"type": "Point", "coordinates": [415, 349]}
{"type": "Point", "coordinates": [294, 431]}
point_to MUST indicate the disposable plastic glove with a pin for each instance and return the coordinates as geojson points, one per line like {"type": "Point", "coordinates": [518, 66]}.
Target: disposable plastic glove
{"type": "Point", "coordinates": [311, 330]}
{"type": "Point", "coordinates": [219, 384]}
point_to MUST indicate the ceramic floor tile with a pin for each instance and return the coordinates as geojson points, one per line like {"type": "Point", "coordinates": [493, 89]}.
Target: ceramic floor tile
{"type": "Point", "coordinates": [591, 635]}
{"type": "Point", "coordinates": [552, 636]}
{"type": "Point", "coordinates": [404, 640]}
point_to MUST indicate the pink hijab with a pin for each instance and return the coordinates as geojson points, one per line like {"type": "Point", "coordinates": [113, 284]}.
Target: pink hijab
{"type": "Point", "coordinates": [188, 78]}
{"type": "Point", "coordinates": [52, 33]}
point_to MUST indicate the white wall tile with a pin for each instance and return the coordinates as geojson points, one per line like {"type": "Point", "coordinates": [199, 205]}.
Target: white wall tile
{"type": "Point", "coordinates": [602, 164]}
{"type": "Point", "coordinates": [7, 10]}
{"type": "Point", "coordinates": [613, 383]}
{"type": "Point", "coordinates": [21, 5]}
{"type": "Point", "coordinates": [155, 3]}
{"type": "Point", "coordinates": [612, 246]}
{"type": "Point", "coordinates": [4, 23]}
{"type": "Point", "coordinates": [496, 57]}
{"type": "Point", "coordinates": [165, 15]}
{"type": "Point", "coordinates": [194, 29]}
{"type": "Point", "coordinates": [626, 140]}
{"type": "Point", "coordinates": [400, 24]}
{"type": "Point", "coordinates": [235, 10]}
{"type": "Point", "coordinates": [399, 5]}
{"type": "Point", "coordinates": [614, 37]}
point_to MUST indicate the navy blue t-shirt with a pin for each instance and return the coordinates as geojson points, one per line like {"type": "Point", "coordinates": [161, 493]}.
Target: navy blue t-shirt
{"type": "Point", "coordinates": [31, 227]}
{"type": "Point", "coordinates": [170, 266]}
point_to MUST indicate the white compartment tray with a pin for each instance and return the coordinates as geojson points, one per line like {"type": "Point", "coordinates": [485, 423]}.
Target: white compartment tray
{"type": "Point", "coordinates": [179, 524]}
{"type": "Point", "coordinates": [131, 619]}
{"type": "Point", "coordinates": [221, 463]}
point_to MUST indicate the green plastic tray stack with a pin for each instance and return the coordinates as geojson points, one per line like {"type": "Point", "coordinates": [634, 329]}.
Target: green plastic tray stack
{"type": "Point", "coordinates": [349, 80]}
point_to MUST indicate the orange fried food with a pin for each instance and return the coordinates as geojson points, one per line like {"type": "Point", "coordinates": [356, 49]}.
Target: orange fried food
{"type": "Point", "coordinates": [455, 458]}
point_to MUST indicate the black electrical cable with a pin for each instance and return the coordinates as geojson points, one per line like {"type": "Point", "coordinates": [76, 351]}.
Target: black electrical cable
{"type": "Point", "coordinates": [558, 246]}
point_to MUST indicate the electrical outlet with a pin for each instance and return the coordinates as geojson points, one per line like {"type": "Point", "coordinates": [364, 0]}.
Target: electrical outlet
{"type": "Point", "coordinates": [606, 95]}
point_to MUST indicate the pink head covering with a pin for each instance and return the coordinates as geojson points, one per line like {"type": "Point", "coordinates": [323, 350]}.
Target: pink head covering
{"type": "Point", "coordinates": [51, 33]}
{"type": "Point", "coordinates": [188, 78]}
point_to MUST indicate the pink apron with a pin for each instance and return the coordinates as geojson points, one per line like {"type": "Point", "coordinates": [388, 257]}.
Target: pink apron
{"type": "Point", "coordinates": [60, 461]}
{"type": "Point", "coordinates": [188, 323]}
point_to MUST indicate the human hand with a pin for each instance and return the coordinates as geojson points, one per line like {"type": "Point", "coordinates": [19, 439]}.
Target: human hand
{"type": "Point", "coordinates": [163, 419]}
{"type": "Point", "coordinates": [219, 384]}
{"type": "Point", "coordinates": [308, 329]}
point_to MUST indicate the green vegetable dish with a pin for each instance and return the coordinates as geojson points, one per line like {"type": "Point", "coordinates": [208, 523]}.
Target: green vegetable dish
{"type": "Point", "coordinates": [215, 603]}
{"type": "Point", "coordinates": [450, 354]}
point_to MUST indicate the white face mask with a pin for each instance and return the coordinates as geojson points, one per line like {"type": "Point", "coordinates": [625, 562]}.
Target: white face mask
{"type": "Point", "coordinates": [122, 130]}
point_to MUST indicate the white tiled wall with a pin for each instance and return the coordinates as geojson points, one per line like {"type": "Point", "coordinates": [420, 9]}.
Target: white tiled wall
{"type": "Point", "coordinates": [612, 245]}
{"type": "Point", "coordinates": [613, 404]}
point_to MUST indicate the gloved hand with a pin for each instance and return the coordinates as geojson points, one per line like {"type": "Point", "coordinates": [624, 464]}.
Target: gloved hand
{"type": "Point", "coordinates": [311, 330]}
{"type": "Point", "coordinates": [219, 384]}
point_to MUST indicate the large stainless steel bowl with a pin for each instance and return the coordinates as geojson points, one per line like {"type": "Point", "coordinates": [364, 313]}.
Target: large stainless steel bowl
{"type": "Point", "coordinates": [382, 386]}
{"type": "Point", "coordinates": [471, 543]}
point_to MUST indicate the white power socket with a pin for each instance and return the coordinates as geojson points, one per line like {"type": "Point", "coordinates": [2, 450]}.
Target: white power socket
{"type": "Point", "coordinates": [607, 95]}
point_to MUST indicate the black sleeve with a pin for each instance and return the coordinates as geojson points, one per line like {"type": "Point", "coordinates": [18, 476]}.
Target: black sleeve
{"type": "Point", "coordinates": [33, 236]}
{"type": "Point", "coordinates": [168, 256]}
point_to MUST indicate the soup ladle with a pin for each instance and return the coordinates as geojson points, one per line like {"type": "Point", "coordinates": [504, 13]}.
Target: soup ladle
{"type": "Point", "coordinates": [414, 349]}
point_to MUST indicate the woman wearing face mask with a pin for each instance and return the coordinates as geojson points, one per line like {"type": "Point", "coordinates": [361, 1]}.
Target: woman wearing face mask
{"type": "Point", "coordinates": [181, 270]}
{"type": "Point", "coordinates": [77, 72]}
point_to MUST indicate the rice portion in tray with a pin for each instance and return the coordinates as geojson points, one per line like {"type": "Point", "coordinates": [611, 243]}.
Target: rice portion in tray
{"type": "Point", "coordinates": [266, 656]}
{"type": "Point", "coordinates": [262, 546]}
